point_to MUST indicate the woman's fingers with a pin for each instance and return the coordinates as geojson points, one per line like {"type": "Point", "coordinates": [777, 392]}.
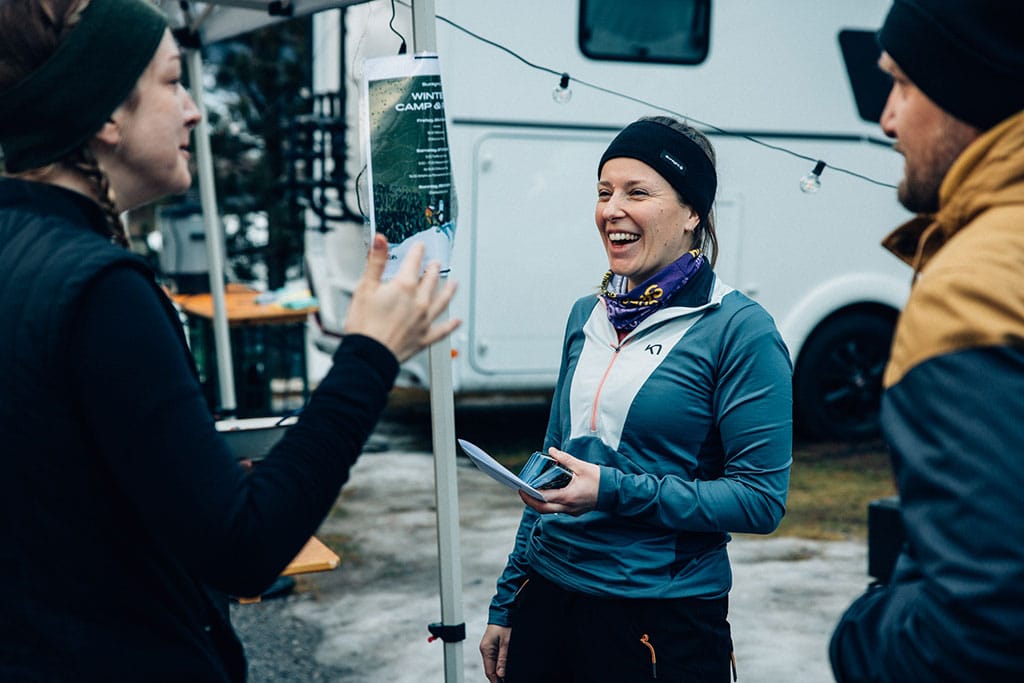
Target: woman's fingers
{"type": "Point", "coordinates": [400, 313]}
{"type": "Point", "coordinates": [377, 259]}
{"type": "Point", "coordinates": [409, 269]}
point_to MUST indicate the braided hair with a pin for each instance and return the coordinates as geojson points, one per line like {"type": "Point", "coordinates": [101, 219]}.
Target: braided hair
{"type": "Point", "coordinates": [85, 162]}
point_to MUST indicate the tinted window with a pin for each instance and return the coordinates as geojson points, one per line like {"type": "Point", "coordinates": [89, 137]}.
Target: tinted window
{"type": "Point", "coordinates": [870, 84]}
{"type": "Point", "coordinates": [672, 31]}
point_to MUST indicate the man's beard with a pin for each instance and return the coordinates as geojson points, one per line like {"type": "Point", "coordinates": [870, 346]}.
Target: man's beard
{"type": "Point", "coordinates": [919, 189]}
{"type": "Point", "coordinates": [921, 195]}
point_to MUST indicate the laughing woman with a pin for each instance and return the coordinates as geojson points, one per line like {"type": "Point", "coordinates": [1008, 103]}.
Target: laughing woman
{"type": "Point", "coordinates": [123, 517]}
{"type": "Point", "coordinates": [673, 410]}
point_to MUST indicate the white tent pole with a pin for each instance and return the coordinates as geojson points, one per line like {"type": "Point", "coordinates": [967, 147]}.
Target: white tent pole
{"type": "Point", "coordinates": [327, 27]}
{"type": "Point", "coordinates": [442, 410]}
{"type": "Point", "coordinates": [449, 553]}
{"type": "Point", "coordinates": [214, 237]}
{"type": "Point", "coordinates": [424, 26]}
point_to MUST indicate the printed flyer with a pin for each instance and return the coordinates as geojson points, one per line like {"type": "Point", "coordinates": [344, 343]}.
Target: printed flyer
{"type": "Point", "coordinates": [408, 164]}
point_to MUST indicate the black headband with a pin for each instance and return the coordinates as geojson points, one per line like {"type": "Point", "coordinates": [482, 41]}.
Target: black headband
{"type": "Point", "coordinates": [64, 102]}
{"type": "Point", "coordinates": [677, 158]}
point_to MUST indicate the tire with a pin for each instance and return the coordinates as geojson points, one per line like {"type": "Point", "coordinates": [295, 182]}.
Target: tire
{"type": "Point", "coordinates": [837, 386]}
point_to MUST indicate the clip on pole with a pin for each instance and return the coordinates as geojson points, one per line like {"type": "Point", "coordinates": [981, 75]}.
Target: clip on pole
{"type": "Point", "coordinates": [448, 633]}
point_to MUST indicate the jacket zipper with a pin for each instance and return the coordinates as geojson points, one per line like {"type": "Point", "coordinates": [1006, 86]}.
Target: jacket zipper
{"type": "Point", "coordinates": [600, 386]}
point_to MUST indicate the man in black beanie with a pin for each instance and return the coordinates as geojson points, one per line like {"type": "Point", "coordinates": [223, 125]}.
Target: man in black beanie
{"type": "Point", "coordinates": [953, 406]}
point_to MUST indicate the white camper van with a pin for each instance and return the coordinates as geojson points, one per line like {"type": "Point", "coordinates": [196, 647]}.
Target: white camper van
{"type": "Point", "coordinates": [796, 75]}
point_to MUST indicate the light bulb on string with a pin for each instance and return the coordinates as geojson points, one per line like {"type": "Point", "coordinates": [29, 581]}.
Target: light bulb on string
{"type": "Point", "coordinates": [562, 92]}
{"type": "Point", "coordinates": [811, 182]}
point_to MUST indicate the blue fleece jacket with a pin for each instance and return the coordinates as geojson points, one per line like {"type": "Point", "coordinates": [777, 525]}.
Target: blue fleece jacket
{"type": "Point", "coordinates": [690, 418]}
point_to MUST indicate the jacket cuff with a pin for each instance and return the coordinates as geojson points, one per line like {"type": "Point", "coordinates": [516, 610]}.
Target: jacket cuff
{"type": "Point", "coordinates": [608, 488]}
{"type": "Point", "coordinates": [376, 355]}
{"type": "Point", "coordinates": [499, 616]}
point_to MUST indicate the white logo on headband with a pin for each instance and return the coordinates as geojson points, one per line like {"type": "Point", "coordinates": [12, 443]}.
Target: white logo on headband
{"type": "Point", "coordinates": [680, 166]}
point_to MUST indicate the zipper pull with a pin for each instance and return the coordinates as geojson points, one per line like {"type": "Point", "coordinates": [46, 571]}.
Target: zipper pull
{"type": "Point", "coordinates": [645, 639]}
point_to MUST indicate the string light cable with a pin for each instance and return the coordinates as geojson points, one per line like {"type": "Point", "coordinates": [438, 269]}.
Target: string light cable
{"type": "Point", "coordinates": [809, 183]}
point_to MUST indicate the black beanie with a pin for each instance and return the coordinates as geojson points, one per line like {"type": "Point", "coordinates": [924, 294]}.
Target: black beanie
{"type": "Point", "coordinates": [967, 56]}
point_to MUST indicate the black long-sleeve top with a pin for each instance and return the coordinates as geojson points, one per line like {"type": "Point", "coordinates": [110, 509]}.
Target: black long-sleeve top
{"type": "Point", "coordinates": [151, 426]}
{"type": "Point", "coordinates": [120, 505]}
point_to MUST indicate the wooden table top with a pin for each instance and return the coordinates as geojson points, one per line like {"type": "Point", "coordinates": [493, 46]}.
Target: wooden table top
{"type": "Point", "coordinates": [314, 557]}
{"type": "Point", "coordinates": [242, 308]}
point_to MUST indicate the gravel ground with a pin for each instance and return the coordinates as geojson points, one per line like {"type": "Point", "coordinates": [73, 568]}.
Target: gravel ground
{"type": "Point", "coordinates": [365, 622]}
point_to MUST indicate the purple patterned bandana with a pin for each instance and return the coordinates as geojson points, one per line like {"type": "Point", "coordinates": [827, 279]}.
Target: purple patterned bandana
{"type": "Point", "coordinates": [626, 310]}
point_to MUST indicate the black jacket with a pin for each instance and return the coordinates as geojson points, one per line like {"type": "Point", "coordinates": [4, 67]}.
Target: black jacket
{"type": "Point", "coordinates": [121, 509]}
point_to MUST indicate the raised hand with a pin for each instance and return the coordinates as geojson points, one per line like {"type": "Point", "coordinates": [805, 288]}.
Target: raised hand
{"type": "Point", "coordinates": [400, 313]}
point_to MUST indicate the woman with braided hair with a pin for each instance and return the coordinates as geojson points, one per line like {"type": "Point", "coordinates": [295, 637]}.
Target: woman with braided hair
{"type": "Point", "coordinates": [123, 517]}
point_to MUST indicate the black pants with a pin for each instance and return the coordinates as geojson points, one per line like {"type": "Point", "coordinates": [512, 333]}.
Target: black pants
{"type": "Point", "coordinates": [558, 635]}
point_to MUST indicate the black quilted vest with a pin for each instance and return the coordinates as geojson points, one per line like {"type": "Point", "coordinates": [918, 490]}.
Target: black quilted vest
{"type": "Point", "coordinates": [52, 246]}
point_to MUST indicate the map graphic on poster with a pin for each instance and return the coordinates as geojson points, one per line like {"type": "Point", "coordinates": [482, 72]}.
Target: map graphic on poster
{"type": "Point", "coordinates": [409, 167]}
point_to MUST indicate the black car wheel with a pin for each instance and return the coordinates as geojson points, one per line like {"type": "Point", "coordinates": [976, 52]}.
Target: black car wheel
{"type": "Point", "coordinates": [837, 386]}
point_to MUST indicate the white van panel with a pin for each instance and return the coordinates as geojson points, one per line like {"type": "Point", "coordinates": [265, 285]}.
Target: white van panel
{"type": "Point", "coordinates": [524, 172]}
{"type": "Point", "coordinates": [533, 205]}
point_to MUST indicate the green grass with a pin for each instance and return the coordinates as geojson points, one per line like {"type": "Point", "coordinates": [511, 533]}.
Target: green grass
{"type": "Point", "coordinates": [830, 487]}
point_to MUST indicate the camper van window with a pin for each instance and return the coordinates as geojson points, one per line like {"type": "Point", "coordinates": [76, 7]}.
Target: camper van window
{"type": "Point", "coordinates": [667, 31]}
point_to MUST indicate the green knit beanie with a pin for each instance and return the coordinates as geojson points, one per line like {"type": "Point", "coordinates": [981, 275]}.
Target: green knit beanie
{"type": "Point", "coordinates": [63, 103]}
